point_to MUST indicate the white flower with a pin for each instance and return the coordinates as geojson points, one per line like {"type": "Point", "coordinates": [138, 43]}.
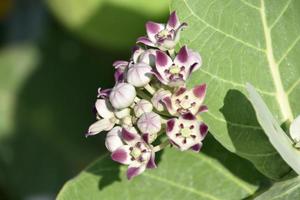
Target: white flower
{"type": "Point", "coordinates": [141, 107]}
{"type": "Point", "coordinates": [107, 116]}
{"type": "Point", "coordinates": [122, 95]}
{"type": "Point", "coordinates": [133, 151]}
{"type": "Point", "coordinates": [186, 132]}
{"type": "Point", "coordinates": [186, 101]}
{"type": "Point", "coordinates": [295, 130]}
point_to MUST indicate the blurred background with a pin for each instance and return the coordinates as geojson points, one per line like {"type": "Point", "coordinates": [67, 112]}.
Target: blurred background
{"type": "Point", "coordinates": [54, 54]}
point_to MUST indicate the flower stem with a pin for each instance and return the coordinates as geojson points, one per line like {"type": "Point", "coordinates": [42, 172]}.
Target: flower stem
{"type": "Point", "coordinates": [150, 89]}
{"type": "Point", "coordinates": [161, 146]}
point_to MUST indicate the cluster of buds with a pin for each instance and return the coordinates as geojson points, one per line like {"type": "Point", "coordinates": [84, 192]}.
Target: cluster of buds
{"type": "Point", "coordinates": [150, 102]}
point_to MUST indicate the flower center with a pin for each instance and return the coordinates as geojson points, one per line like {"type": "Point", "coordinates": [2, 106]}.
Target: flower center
{"type": "Point", "coordinates": [186, 132]}
{"type": "Point", "coordinates": [163, 34]}
{"type": "Point", "coordinates": [174, 69]}
{"type": "Point", "coordinates": [136, 152]}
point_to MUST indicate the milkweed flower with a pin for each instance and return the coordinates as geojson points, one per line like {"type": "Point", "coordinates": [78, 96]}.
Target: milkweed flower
{"type": "Point", "coordinates": [175, 72]}
{"type": "Point", "coordinates": [186, 132]}
{"type": "Point", "coordinates": [128, 148]}
{"type": "Point", "coordinates": [150, 100]}
{"type": "Point", "coordinates": [186, 101]}
{"type": "Point", "coordinates": [163, 36]}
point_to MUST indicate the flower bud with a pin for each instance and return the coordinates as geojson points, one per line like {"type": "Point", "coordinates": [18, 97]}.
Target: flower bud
{"type": "Point", "coordinates": [113, 139]}
{"type": "Point", "coordinates": [158, 97]}
{"type": "Point", "coordinates": [143, 106]}
{"type": "Point", "coordinates": [149, 123]}
{"type": "Point", "coordinates": [139, 75]}
{"type": "Point", "coordinates": [122, 95]}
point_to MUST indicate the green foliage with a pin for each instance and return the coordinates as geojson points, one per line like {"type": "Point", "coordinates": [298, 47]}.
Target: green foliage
{"type": "Point", "coordinates": [276, 135]}
{"type": "Point", "coordinates": [215, 174]}
{"type": "Point", "coordinates": [113, 23]}
{"type": "Point", "coordinates": [284, 190]}
{"type": "Point", "coordinates": [246, 41]}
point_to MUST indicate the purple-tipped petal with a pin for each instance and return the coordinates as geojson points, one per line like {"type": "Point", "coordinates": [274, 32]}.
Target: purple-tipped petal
{"type": "Point", "coordinates": [188, 116]}
{"type": "Point", "coordinates": [180, 91]}
{"type": "Point", "coordinates": [121, 155]}
{"type": "Point", "coordinates": [120, 64]}
{"type": "Point", "coordinates": [162, 59]}
{"type": "Point", "coordinates": [168, 103]}
{"type": "Point", "coordinates": [203, 130]}
{"type": "Point", "coordinates": [192, 68]}
{"type": "Point", "coordinates": [197, 147]}
{"type": "Point", "coordinates": [202, 109]}
{"type": "Point", "coordinates": [134, 171]}
{"type": "Point", "coordinates": [152, 29]}
{"type": "Point", "coordinates": [182, 55]}
{"type": "Point", "coordinates": [146, 137]}
{"type": "Point", "coordinates": [103, 93]}
{"type": "Point", "coordinates": [146, 41]}
{"type": "Point", "coordinates": [200, 91]}
{"type": "Point", "coordinates": [151, 163]}
{"type": "Point", "coordinates": [119, 75]}
{"type": "Point", "coordinates": [173, 21]}
{"type": "Point", "coordinates": [158, 76]}
{"type": "Point", "coordinates": [128, 136]}
{"type": "Point", "coordinates": [170, 125]}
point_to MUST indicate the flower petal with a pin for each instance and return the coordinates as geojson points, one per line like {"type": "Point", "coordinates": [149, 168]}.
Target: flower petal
{"type": "Point", "coordinates": [173, 22]}
{"type": "Point", "coordinates": [122, 155]}
{"type": "Point", "coordinates": [168, 103]}
{"type": "Point", "coordinates": [182, 56]}
{"type": "Point", "coordinates": [113, 139]}
{"type": "Point", "coordinates": [133, 171]}
{"type": "Point", "coordinates": [163, 61]}
{"type": "Point", "coordinates": [203, 130]}
{"type": "Point", "coordinates": [149, 122]}
{"type": "Point", "coordinates": [295, 130]}
{"type": "Point", "coordinates": [152, 29]}
{"type": "Point", "coordinates": [200, 91]}
{"type": "Point", "coordinates": [151, 163]}
{"type": "Point", "coordinates": [130, 136]}
{"type": "Point", "coordinates": [104, 108]}
{"type": "Point", "coordinates": [99, 126]}
{"type": "Point", "coordinates": [146, 41]}
{"type": "Point", "coordinates": [197, 147]}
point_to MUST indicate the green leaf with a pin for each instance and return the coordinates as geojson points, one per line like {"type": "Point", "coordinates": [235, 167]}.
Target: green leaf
{"type": "Point", "coordinates": [215, 175]}
{"type": "Point", "coordinates": [113, 23]}
{"type": "Point", "coordinates": [246, 41]}
{"type": "Point", "coordinates": [284, 190]}
{"type": "Point", "coordinates": [276, 135]}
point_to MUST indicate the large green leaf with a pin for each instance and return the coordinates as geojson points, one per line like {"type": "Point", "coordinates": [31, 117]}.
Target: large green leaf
{"type": "Point", "coordinates": [217, 174]}
{"type": "Point", "coordinates": [113, 23]}
{"type": "Point", "coordinates": [246, 41]}
{"type": "Point", "coordinates": [284, 190]}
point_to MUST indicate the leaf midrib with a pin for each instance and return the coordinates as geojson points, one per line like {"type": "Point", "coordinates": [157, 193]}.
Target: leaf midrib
{"type": "Point", "coordinates": [280, 94]}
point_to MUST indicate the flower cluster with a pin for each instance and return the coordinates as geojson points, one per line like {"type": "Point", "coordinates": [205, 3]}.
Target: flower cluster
{"type": "Point", "coordinates": [150, 101]}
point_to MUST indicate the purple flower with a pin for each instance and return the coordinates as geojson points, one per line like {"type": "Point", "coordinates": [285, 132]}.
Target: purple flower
{"type": "Point", "coordinates": [175, 72]}
{"type": "Point", "coordinates": [186, 132]}
{"type": "Point", "coordinates": [132, 151]}
{"type": "Point", "coordinates": [163, 36]}
{"type": "Point", "coordinates": [186, 101]}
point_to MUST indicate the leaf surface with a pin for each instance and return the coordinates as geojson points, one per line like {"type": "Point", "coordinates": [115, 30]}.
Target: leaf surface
{"type": "Point", "coordinates": [284, 190]}
{"type": "Point", "coordinates": [215, 175]}
{"type": "Point", "coordinates": [246, 41]}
